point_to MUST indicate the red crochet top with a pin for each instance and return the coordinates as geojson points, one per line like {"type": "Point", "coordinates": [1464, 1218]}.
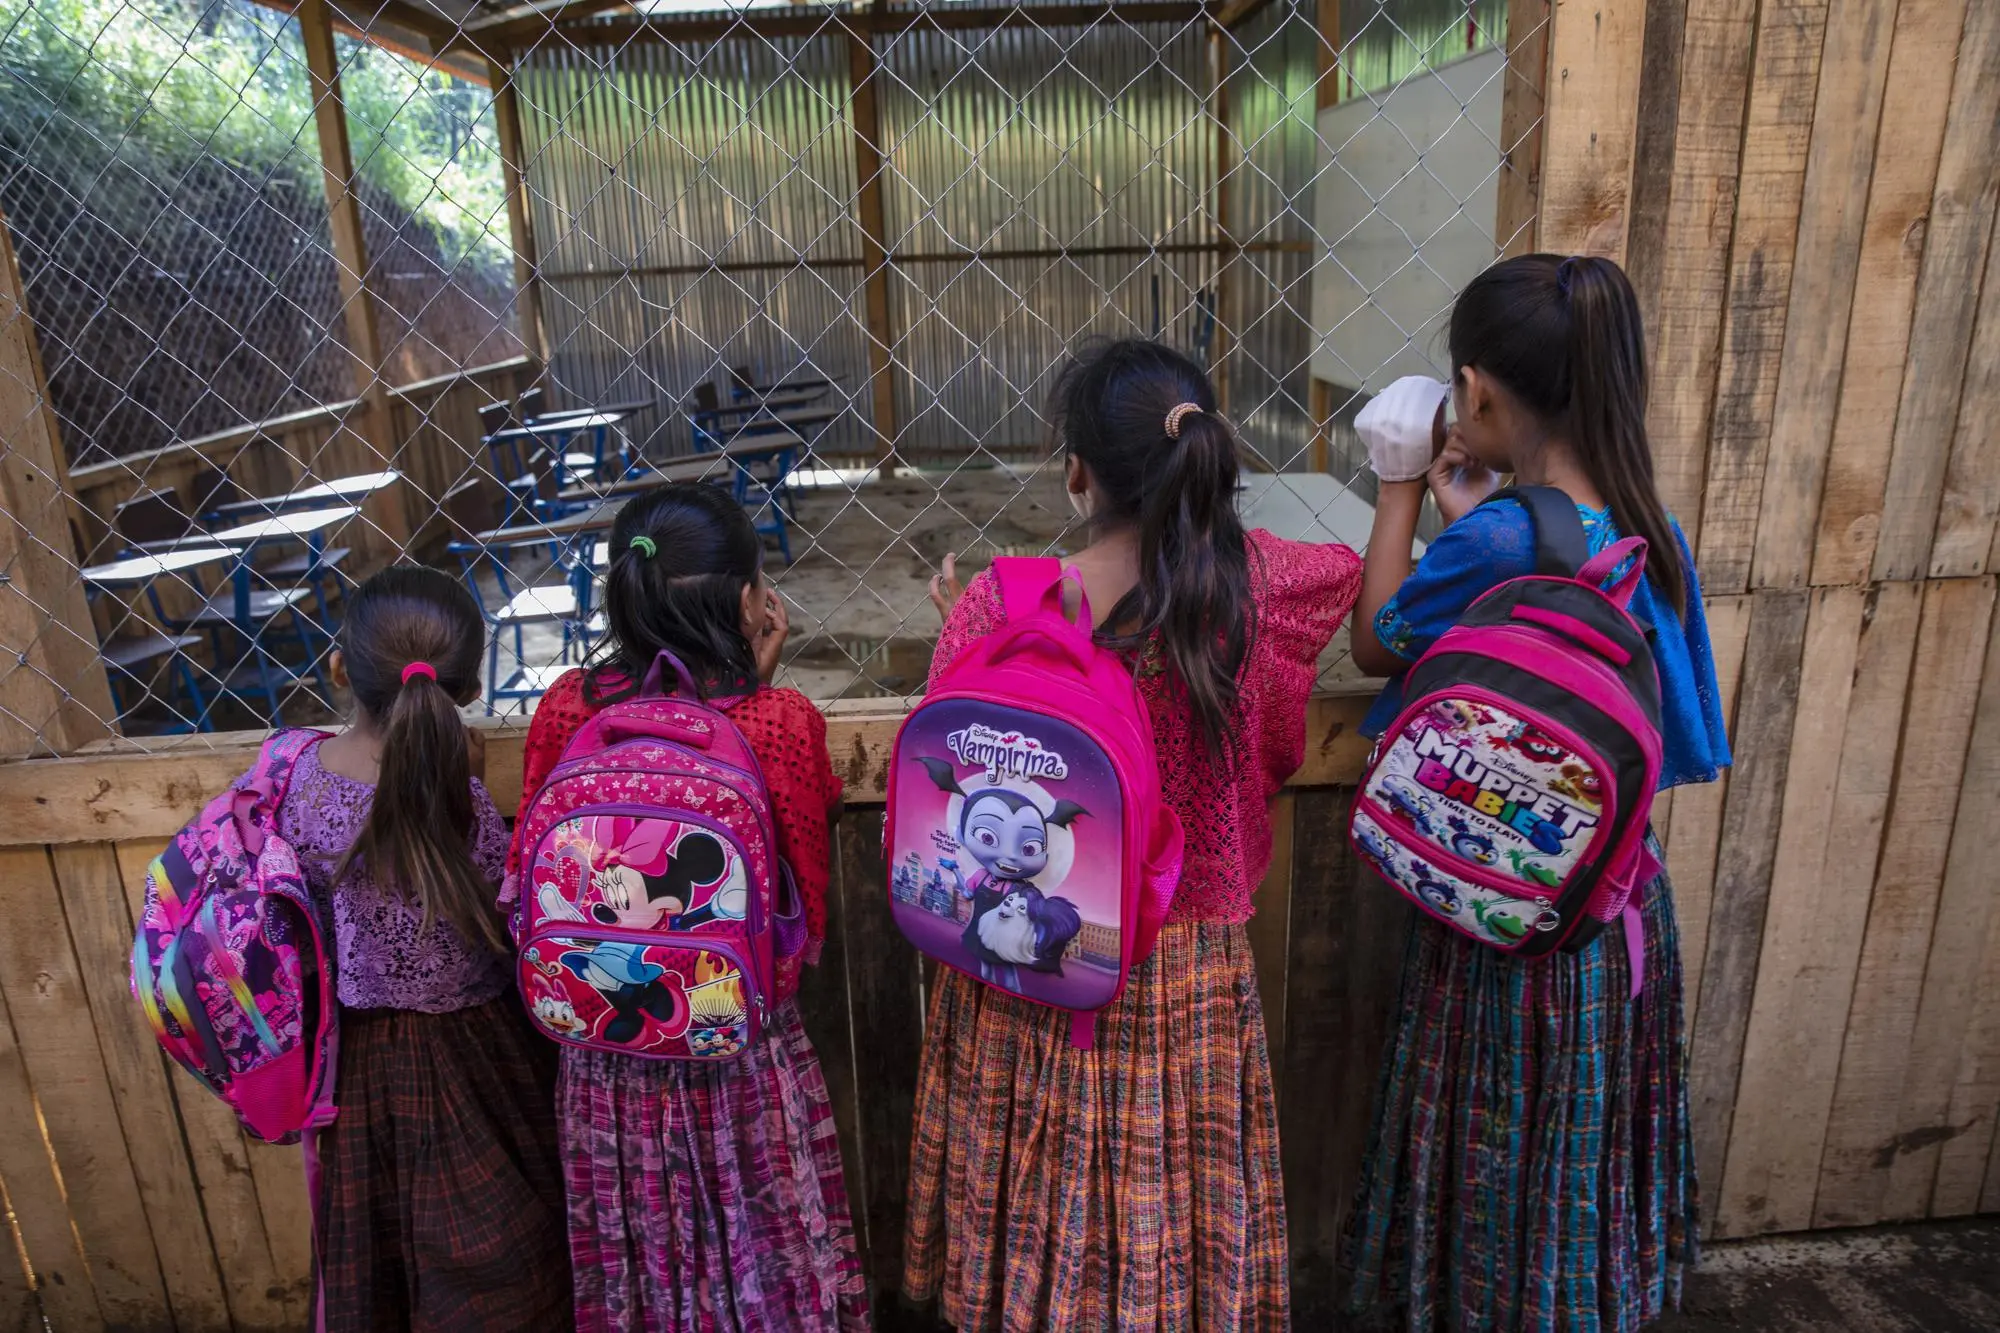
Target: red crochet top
{"type": "Point", "coordinates": [788, 736]}
{"type": "Point", "coordinates": [1303, 592]}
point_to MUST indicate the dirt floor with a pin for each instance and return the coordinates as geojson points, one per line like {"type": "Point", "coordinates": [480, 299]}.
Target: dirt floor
{"type": "Point", "coordinates": [1932, 1278]}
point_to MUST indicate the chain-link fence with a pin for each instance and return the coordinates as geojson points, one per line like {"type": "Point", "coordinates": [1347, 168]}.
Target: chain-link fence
{"type": "Point", "coordinates": [325, 286]}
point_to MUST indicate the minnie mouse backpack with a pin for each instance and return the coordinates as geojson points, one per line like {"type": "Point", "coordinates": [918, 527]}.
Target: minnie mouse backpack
{"type": "Point", "coordinates": [1509, 798]}
{"type": "Point", "coordinates": [229, 963]}
{"type": "Point", "coordinates": [655, 917]}
{"type": "Point", "coordinates": [1027, 839]}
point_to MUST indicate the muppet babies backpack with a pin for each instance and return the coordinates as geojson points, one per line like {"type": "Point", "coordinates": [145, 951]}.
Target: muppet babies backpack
{"type": "Point", "coordinates": [656, 918]}
{"type": "Point", "coordinates": [1509, 798]}
{"type": "Point", "coordinates": [1028, 842]}
{"type": "Point", "coordinates": [229, 964]}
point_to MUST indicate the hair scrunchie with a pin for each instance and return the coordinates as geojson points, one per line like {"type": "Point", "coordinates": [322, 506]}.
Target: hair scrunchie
{"type": "Point", "coordinates": [1178, 414]}
{"type": "Point", "coordinates": [644, 546]}
{"type": "Point", "coordinates": [424, 669]}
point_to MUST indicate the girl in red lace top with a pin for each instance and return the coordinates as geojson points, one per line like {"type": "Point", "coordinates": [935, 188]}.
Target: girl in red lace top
{"type": "Point", "coordinates": [1137, 1184]}
{"type": "Point", "coordinates": [707, 1194]}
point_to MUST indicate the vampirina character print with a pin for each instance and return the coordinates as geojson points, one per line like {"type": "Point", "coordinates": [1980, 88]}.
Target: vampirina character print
{"type": "Point", "coordinates": [1014, 924]}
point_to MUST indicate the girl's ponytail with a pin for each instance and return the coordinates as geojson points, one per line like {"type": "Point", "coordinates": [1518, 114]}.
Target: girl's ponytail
{"type": "Point", "coordinates": [1142, 418]}
{"type": "Point", "coordinates": [1194, 574]}
{"type": "Point", "coordinates": [1607, 352]}
{"type": "Point", "coordinates": [411, 641]}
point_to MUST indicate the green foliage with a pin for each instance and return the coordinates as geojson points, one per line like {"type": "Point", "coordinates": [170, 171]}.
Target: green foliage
{"type": "Point", "coordinates": [165, 82]}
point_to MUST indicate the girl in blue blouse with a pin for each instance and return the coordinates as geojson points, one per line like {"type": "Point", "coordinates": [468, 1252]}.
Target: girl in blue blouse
{"type": "Point", "coordinates": [1531, 1164]}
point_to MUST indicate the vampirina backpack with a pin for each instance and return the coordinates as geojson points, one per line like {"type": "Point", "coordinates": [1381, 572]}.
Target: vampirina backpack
{"type": "Point", "coordinates": [1027, 839]}
{"type": "Point", "coordinates": [229, 963]}
{"type": "Point", "coordinates": [656, 918]}
{"type": "Point", "coordinates": [1509, 798]}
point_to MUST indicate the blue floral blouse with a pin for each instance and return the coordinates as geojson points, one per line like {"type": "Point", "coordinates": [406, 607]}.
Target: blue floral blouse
{"type": "Point", "coordinates": [1496, 542]}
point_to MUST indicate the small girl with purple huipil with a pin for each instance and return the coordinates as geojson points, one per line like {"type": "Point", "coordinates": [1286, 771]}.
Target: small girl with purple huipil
{"type": "Point", "coordinates": [441, 1199]}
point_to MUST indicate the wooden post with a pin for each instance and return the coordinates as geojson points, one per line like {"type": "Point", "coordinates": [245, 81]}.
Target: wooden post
{"type": "Point", "coordinates": [1523, 95]}
{"type": "Point", "coordinates": [1328, 17]}
{"type": "Point", "coordinates": [520, 225]}
{"type": "Point", "coordinates": [866, 115]}
{"type": "Point", "coordinates": [377, 433]}
{"type": "Point", "coordinates": [53, 694]}
{"type": "Point", "coordinates": [1590, 125]}
{"type": "Point", "coordinates": [1219, 42]}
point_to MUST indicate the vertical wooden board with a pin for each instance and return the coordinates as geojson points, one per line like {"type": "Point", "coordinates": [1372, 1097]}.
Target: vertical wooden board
{"type": "Point", "coordinates": [1522, 101]}
{"type": "Point", "coordinates": [1745, 854]}
{"type": "Point", "coordinates": [1885, 286]}
{"type": "Point", "coordinates": [1347, 944]}
{"type": "Point", "coordinates": [52, 1025]}
{"type": "Point", "coordinates": [1657, 127]}
{"type": "Point", "coordinates": [1684, 319]}
{"type": "Point", "coordinates": [1961, 229]}
{"type": "Point", "coordinates": [1270, 925]}
{"type": "Point", "coordinates": [823, 1012]}
{"type": "Point", "coordinates": [1856, 671]}
{"type": "Point", "coordinates": [20, 1311]}
{"type": "Point", "coordinates": [1777, 133]}
{"type": "Point", "coordinates": [1952, 972]}
{"type": "Point", "coordinates": [1854, 67]}
{"type": "Point", "coordinates": [100, 926]}
{"type": "Point", "coordinates": [1863, 1137]}
{"type": "Point", "coordinates": [280, 1176]}
{"type": "Point", "coordinates": [35, 1197]}
{"type": "Point", "coordinates": [885, 990]}
{"type": "Point", "coordinates": [1590, 127]}
{"type": "Point", "coordinates": [1968, 883]}
{"type": "Point", "coordinates": [221, 1165]}
{"type": "Point", "coordinates": [1970, 504]}
{"type": "Point", "coordinates": [1697, 826]}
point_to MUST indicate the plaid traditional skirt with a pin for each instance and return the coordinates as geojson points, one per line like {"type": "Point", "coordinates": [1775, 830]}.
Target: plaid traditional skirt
{"type": "Point", "coordinates": [1531, 1164]}
{"type": "Point", "coordinates": [441, 1198]}
{"type": "Point", "coordinates": [708, 1196]}
{"type": "Point", "coordinates": [1131, 1186]}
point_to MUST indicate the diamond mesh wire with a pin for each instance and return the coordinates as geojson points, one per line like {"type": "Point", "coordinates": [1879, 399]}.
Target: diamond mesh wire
{"type": "Point", "coordinates": [895, 219]}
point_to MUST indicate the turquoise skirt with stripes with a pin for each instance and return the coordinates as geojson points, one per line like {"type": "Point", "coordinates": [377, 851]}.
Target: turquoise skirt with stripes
{"type": "Point", "coordinates": [1531, 1164]}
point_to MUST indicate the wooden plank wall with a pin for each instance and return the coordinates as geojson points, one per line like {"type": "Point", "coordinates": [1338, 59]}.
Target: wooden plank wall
{"type": "Point", "coordinates": [1825, 316]}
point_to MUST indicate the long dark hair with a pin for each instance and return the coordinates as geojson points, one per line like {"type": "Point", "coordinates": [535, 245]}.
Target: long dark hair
{"type": "Point", "coordinates": [1565, 336]}
{"type": "Point", "coordinates": [680, 557]}
{"type": "Point", "coordinates": [418, 838]}
{"type": "Point", "coordinates": [1110, 409]}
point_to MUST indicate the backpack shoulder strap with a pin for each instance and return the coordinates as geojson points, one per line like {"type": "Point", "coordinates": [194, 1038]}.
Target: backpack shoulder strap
{"type": "Point", "coordinates": [1561, 545]}
{"type": "Point", "coordinates": [1025, 581]}
{"type": "Point", "coordinates": [269, 780]}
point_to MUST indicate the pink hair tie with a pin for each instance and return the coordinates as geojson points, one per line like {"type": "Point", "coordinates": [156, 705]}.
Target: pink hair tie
{"type": "Point", "coordinates": [1179, 414]}
{"type": "Point", "coordinates": [424, 669]}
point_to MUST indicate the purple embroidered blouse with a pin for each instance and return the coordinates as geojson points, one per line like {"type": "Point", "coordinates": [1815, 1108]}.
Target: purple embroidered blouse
{"type": "Point", "coordinates": [380, 959]}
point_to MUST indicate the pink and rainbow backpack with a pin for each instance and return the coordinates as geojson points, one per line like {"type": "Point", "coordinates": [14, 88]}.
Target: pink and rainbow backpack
{"type": "Point", "coordinates": [1509, 798]}
{"type": "Point", "coordinates": [655, 917]}
{"type": "Point", "coordinates": [1027, 840]}
{"type": "Point", "coordinates": [229, 963]}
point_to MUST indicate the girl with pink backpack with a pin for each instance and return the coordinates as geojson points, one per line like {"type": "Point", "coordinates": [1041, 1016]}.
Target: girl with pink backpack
{"type": "Point", "coordinates": [705, 1186]}
{"type": "Point", "coordinates": [1531, 1165]}
{"type": "Point", "coordinates": [1122, 1171]}
{"type": "Point", "coordinates": [439, 1198]}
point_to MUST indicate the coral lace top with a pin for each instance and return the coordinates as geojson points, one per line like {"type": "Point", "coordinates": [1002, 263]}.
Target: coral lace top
{"type": "Point", "coordinates": [1303, 592]}
{"type": "Point", "coordinates": [788, 736]}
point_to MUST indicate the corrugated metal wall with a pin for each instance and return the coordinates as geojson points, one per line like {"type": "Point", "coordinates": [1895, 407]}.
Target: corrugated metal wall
{"type": "Point", "coordinates": [659, 172]}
